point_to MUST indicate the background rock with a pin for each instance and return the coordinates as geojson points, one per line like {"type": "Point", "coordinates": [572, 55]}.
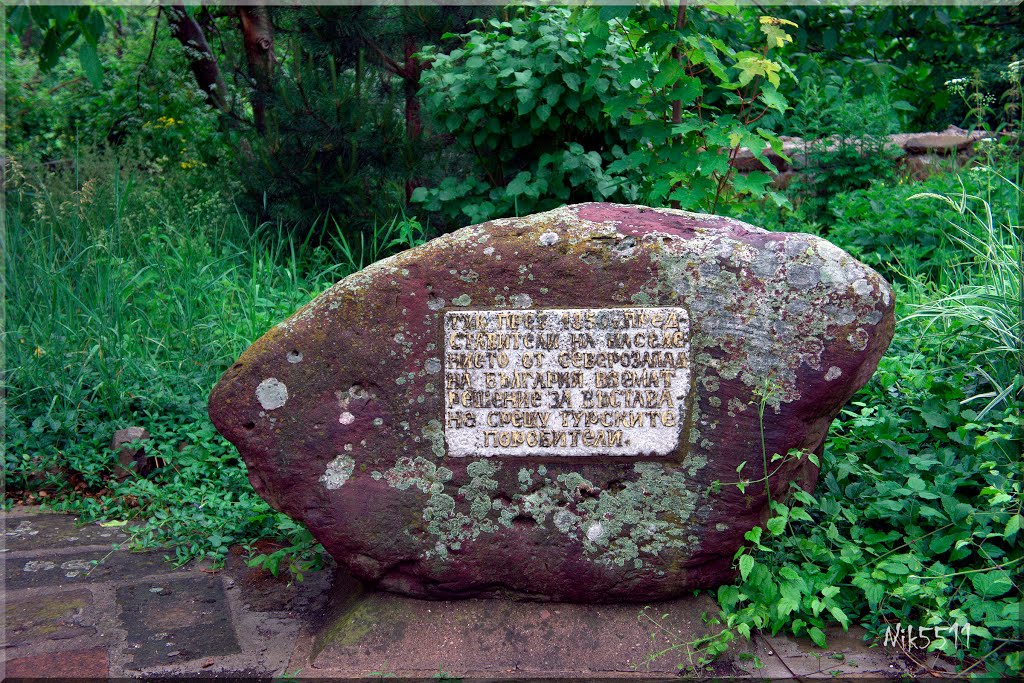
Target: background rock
{"type": "Point", "coordinates": [131, 458]}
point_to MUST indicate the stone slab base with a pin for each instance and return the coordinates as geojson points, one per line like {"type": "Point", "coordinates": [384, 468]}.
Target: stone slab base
{"type": "Point", "coordinates": [380, 634]}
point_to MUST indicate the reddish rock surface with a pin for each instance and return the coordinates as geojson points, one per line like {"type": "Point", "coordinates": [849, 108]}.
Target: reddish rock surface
{"type": "Point", "coordinates": [80, 664]}
{"type": "Point", "coordinates": [339, 411]}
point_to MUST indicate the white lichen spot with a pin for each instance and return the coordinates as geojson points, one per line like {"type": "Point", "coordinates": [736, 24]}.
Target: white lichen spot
{"type": "Point", "coordinates": [858, 339]}
{"type": "Point", "coordinates": [347, 418]}
{"type": "Point", "coordinates": [548, 238]}
{"type": "Point", "coordinates": [595, 531]}
{"type": "Point", "coordinates": [862, 287]}
{"type": "Point", "coordinates": [294, 357]}
{"type": "Point", "coordinates": [338, 472]}
{"type": "Point", "coordinates": [488, 251]}
{"type": "Point", "coordinates": [520, 301]}
{"type": "Point", "coordinates": [435, 303]}
{"type": "Point", "coordinates": [378, 422]}
{"type": "Point", "coordinates": [833, 373]}
{"type": "Point", "coordinates": [73, 568]}
{"type": "Point", "coordinates": [432, 365]}
{"type": "Point", "coordinates": [272, 393]}
{"type": "Point", "coordinates": [38, 565]}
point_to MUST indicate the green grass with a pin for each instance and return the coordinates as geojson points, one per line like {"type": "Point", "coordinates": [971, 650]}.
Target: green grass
{"type": "Point", "coordinates": [127, 296]}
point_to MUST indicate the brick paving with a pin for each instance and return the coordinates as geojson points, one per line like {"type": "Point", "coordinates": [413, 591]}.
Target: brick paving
{"type": "Point", "coordinates": [77, 604]}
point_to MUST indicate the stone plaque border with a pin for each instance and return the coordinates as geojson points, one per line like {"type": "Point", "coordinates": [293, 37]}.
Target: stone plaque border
{"type": "Point", "coordinates": [684, 409]}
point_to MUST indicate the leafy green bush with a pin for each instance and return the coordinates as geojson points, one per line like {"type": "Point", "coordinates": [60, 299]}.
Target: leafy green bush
{"type": "Point", "coordinates": [917, 46]}
{"type": "Point", "coordinates": [650, 105]}
{"type": "Point", "coordinates": [846, 140]}
{"type": "Point", "coordinates": [145, 103]}
{"type": "Point", "coordinates": [525, 99]}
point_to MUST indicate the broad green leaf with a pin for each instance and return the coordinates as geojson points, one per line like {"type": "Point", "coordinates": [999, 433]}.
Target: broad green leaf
{"type": "Point", "coordinates": [774, 29]}
{"type": "Point", "coordinates": [1012, 526]}
{"type": "Point", "coordinates": [519, 184]}
{"type": "Point", "coordinates": [817, 635]}
{"type": "Point", "coordinates": [753, 183]}
{"type": "Point", "coordinates": [91, 64]}
{"type": "Point", "coordinates": [771, 97]}
{"type": "Point", "coordinates": [991, 584]}
{"type": "Point", "coordinates": [755, 65]}
{"type": "Point", "coordinates": [609, 12]}
{"type": "Point", "coordinates": [776, 525]}
{"type": "Point", "coordinates": [670, 72]}
{"type": "Point", "coordinates": [746, 564]}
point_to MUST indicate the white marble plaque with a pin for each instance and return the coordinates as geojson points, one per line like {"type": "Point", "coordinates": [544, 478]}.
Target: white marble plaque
{"type": "Point", "coordinates": [565, 382]}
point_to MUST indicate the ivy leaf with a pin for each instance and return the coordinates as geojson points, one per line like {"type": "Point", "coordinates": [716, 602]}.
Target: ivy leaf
{"type": "Point", "coordinates": [776, 525]}
{"type": "Point", "coordinates": [799, 514]}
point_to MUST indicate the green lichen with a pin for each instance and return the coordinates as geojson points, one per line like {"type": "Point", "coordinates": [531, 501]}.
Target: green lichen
{"type": "Point", "coordinates": [628, 526]}
{"type": "Point", "coordinates": [434, 433]}
{"type": "Point", "coordinates": [417, 473]}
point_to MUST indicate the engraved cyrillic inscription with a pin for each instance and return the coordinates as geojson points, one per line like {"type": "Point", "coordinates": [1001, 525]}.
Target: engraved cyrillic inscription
{"type": "Point", "coordinates": [566, 382]}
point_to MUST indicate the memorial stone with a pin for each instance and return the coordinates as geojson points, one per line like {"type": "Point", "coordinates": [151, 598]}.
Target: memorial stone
{"type": "Point", "coordinates": [556, 407]}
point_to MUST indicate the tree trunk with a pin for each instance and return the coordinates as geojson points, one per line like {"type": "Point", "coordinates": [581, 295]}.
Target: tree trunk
{"type": "Point", "coordinates": [411, 77]}
{"type": "Point", "coordinates": [413, 121]}
{"type": "Point", "coordinates": [258, 36]}
{"type": "Point", "coordinates": [202, 61]}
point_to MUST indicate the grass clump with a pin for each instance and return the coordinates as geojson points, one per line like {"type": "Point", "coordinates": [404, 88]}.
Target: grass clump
{"type": "Point", "coordinates": [128, 295]}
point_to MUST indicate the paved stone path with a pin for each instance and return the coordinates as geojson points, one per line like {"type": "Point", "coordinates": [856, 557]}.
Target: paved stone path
{"type": "Point", "coordinates": [76, 604]}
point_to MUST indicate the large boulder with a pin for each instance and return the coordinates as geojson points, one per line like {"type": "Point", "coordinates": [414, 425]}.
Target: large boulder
{"type": "Point", "coordinates": [555, 407]}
